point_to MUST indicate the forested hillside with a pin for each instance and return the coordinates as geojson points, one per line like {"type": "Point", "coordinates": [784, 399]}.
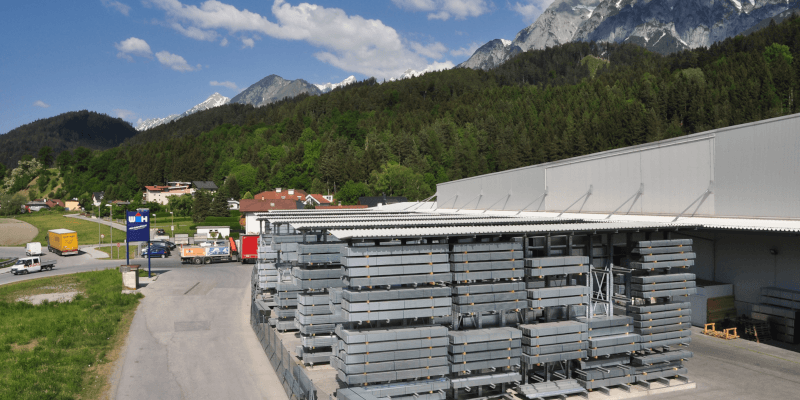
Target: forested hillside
{"type": "Point", "coordinates": [403, 137]}
{"type": "Point", "coordinates": [64, 132]}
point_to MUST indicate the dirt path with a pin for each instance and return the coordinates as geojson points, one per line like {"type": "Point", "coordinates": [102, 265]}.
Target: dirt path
{"type": "Point", "coordinates": [14, 232]}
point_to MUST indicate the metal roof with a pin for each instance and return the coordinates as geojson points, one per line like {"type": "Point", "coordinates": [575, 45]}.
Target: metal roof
{"type": "Point", "coordinates": [343, 234]}
{"type": "Point", "coordinates": [384, 223]}
{"type": "Point", "coordinates": [372, 217]}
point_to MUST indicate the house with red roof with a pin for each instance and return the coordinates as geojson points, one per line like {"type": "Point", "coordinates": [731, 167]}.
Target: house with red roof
{"type": "Point", "coordinates": [250, 207]}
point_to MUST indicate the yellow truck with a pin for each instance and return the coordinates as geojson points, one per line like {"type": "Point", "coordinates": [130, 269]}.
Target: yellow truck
{"type": "Point", "coordinates": [63, 242]}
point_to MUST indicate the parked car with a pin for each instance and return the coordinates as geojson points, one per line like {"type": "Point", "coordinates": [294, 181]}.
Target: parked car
{"type": "Point", "coordinates": [155, 251]}
{"type": "Point", "coordinates": [160, 231]}
{"type": "Point", "coordinates": [165, 243]}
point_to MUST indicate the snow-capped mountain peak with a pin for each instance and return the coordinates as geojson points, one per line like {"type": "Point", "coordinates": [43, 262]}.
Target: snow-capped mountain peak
{"type": "Point", "coordinates": [327, 87]}
{"type": "Point", "coordinates": [506, 42]}
{"type": "Point", "coordinates": [215, 100]}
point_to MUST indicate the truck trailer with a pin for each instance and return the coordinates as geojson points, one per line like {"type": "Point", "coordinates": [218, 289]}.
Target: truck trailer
{"type": "Point", "coordinates": [63, 242]}
{"type": "Point", "coordinates": [249, 248]}
{"type": "Point", "coordinates": [208, 252]}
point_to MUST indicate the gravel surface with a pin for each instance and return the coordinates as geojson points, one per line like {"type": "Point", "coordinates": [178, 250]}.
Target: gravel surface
{"type": "Point", "coordinates": [15, 232]}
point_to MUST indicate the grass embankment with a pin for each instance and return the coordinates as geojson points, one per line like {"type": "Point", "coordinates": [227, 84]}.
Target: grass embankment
{"type": "Point", "coordinates": [62, 350]}
{"type": "Point", "coordinates": [119, 254]}
{"type": "Point", "coordinates": [182, 225]}
{"type": "Point", "coordinates": [87, 231]}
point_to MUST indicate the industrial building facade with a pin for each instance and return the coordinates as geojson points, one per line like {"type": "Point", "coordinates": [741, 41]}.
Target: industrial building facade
{"type": "Point", "coordinates": [738, 185]}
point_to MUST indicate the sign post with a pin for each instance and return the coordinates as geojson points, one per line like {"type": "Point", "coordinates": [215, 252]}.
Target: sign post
{"type": "Point", "coordinates": [138, 230]}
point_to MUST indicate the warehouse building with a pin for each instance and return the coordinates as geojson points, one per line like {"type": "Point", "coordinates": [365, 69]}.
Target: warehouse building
{"type": "Point", "coordinates": [737, 187]}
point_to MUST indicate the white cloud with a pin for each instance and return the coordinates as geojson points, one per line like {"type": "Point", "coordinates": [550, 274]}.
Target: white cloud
{"type": "Point", "coordinates": [227, 84]}
{"type": "Point", "coordinates": [223, 42]}
{"type": "Point", "coordinates": [124, 9]}
{"type": "Point", "coordinates": [248, 42]}
{"type": "Point", "coordinates": [444, 9]}
{"type": "Point", "coordinates": [175, 61]}
{"type": "Point", "coordinates": [466, 51]}
{"type": "Point", "coordinates": [133, 46]}
{"type": "Point", "coordinates": [530, 9]}
{"type": "Point", "coordinates": [352, 43]}
{"type": "Point", "coordinates": [39, 103]}
{"type": "Point", "coordinates": [195, 33]}
{"type": "Point", "coordinates": [124, 114]}
{"type": "Point", "coordinates": [433, 50]}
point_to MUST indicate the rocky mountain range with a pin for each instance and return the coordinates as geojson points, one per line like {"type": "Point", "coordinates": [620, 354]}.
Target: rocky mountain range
{"type": "Point", "coordinates": [327, 87]}
{"type": "Point", "coordinates": [215, 100]}
{"type": "Point", "coordinates": [274, 88]}
{"type": "Point", "coordinates": [663, 26]}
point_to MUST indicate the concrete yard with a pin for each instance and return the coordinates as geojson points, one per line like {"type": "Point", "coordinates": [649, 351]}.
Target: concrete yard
{"type": "Point", "coordinates": [191, 339]}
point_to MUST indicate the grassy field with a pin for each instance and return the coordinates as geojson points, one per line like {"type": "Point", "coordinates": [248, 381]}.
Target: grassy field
{"type": "Point", "coordinates": [119, 255]}
{"type": "Point", "coordinates": [595, 63]}
{"type": "Point", "coordinates": [87, 231]}
{"type": "Point", "coordinates": [182, 225]}
{"type": "Point", "coordinates": [62, 350]}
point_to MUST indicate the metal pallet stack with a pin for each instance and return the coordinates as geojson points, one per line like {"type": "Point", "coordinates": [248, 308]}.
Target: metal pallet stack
{"type": "Point", "coordinates": [659, 306]}
{"type": "Point", "coordinates": [781, 308]}
{"type": "Point", "coordinates": [488, 292]}
{"type": "Point", "coordinates": [484, 357]}
{"type": "Point", "coordinates": [487, 279]}
{"type": "Point", "coordinates": [394, 292]}
{"type": "Point", "coordinates": [552, 284]}
{"type": "Point", "coordinates": [318, 271]}
{"type": "Point", "coordinates": [553, 342]}
{"type": "Point", "coordinates": [286, 293]}
{"type": "Point", "coordinates": [611, 343]}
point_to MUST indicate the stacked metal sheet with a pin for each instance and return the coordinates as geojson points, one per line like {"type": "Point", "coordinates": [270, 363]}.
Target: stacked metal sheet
{"type": "Point", "coordinates": [317, 271]}
{"type": "Point", "coordinates": [670, 285]}
{"type": "Point", "coordinates": [661, 254]}
{"type": "Point", "coordinates": [551, 282]}
{"type": "Point", "coordinates": [400, 285]}
{"type": "Point", "coordinates": [267, 275]}
{"type": "Point", "coordinates": [554, 342]}
{"type": "Point", "coordinates": [611, 342]}
{"type": "Point", "coordinates": [563, 389]}
{"type": "Point", "coordinates": [368, 356]}
{"type": "Point", "coordinates": [429, 389]}
{"type": "Point", "coordinates": [491, 355]}
{"type": "Point", "coordinates": [286, 294]}
{"type": "Point", "coordinates": [656, 365]}
{"type": "Point", "coordinates": [265, 251]}
{"type": "Point", "coordinates": [487, 278]}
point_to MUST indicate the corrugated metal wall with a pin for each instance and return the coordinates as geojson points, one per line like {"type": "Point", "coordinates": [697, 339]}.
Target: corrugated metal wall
{"type": "Point", "coordinates": [753, 168]}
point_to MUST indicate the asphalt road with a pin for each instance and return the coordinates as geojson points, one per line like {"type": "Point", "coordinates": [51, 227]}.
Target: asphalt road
{"type": "Point", "coordinates": [84, 262]}
{"type": "Point", "coordinates": [191, 339]}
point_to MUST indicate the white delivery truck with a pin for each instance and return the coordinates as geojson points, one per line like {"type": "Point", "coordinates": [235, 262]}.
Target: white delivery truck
{"type": "Point", "coordinates": [33, 249]}
{"type": "Point", "coordinates": [32, 264]}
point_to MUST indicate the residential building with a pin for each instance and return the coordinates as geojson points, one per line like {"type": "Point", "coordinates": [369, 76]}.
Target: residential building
{"type": "Point", "coordinates": [209, 186]}
{"type": "Point", "coordinates": [318, 200]}
{"type": "Point", "coordinates": [282, 194]}
{"type": "Point", "coordinates": [233, 204]}
{"type": "Point", "coordinates": [72, 205]}
{"type": "Point", "coordinates": [159, 194]}
{"type": "Point", "coordinates": [249, 208]}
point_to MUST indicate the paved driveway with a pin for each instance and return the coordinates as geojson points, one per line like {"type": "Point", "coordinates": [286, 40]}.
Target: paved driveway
{"type": "Point", "coordinates": [191, 339]}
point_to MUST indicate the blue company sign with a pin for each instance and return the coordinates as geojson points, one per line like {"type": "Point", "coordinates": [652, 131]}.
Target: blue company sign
{"type": "Point", "coordinates": [138, 226]}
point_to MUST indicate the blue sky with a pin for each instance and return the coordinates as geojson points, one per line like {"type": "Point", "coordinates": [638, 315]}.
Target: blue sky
{"type": "Point", "coordinates": [139, 59]}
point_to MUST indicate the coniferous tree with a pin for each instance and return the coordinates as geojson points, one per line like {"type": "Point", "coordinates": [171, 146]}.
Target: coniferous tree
{"type": "Point", "coordinates": [201, 207]}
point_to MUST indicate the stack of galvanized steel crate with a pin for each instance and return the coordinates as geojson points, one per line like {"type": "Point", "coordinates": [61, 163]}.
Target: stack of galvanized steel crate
{"type": "Point", "coordinates": [394, 292]}
{"type": "Point", "coordinates": [488, 292]}
{"type": "Point", "coordinates": [553, 285]}
{"type": "Point", "coordinates": [487, 279]}
{"type": "Point", "coordinates": [611, 342]}
{"type": "Point", "coordinates": [551, 342]}
{"type": "Point", "coordinates": [317, 271]}
{"type": "Point", "coordinates": [659, 306]}
{"type": "Point", "coordinates": [781, 308]}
